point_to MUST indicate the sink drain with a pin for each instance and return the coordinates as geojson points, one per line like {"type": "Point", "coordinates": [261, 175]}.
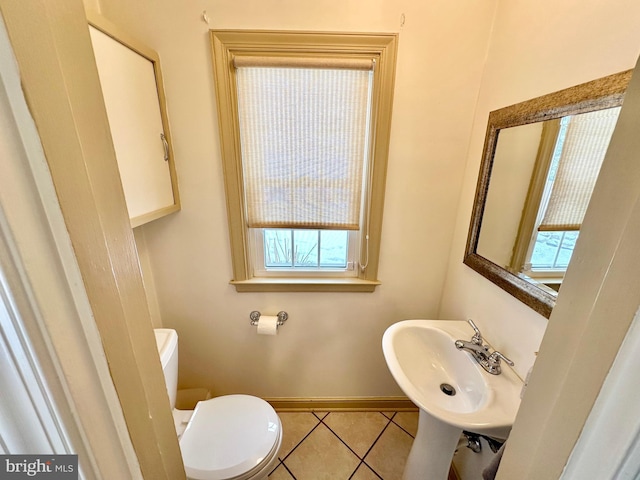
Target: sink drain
{"type": "Point", "coordinates": [447, 389]}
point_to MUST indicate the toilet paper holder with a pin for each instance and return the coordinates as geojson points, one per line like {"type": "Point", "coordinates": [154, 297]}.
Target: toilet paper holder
{"type": "Point", "coordinates": [255, 316]}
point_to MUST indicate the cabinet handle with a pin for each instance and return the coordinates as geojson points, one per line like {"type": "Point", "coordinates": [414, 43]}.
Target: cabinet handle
{"type": "Point", "coordinates": [165, 145]}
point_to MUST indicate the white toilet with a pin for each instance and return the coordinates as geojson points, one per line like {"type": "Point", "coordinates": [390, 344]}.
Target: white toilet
{"type": "Point", "coordinates": [233, 437]}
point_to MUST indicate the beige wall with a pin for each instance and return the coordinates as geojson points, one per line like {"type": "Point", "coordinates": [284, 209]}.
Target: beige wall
{"type": "Point", "coordinates": [331, 345]}
{"type": "Point", "coordinates": [536, 48]}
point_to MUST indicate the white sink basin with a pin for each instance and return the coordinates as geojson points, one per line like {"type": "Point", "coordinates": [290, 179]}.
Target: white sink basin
{"type": "Point", "coordinates": [421, 356]}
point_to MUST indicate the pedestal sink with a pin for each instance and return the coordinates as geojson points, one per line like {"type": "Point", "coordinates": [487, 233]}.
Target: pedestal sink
{"type": "Point", "coordinates": [451, 389]}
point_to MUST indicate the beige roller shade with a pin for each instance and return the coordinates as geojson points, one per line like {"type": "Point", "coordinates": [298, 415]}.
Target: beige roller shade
{"type": "Point", "coordinates": [584, 148]}
{"type": "Point", "coordinates": [304, 135]}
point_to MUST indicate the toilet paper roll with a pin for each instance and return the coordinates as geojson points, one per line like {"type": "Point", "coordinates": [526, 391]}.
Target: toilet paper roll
{"type": "Point", "coordinates": [268, 325]}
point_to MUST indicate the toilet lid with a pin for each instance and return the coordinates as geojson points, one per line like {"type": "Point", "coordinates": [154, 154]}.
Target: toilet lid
{"type": "Point", "coordinates": [228, 436]}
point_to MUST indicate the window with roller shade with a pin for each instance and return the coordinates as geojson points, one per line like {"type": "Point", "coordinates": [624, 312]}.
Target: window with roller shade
{"type": "Point", "coordinates": [304, 127]}
{"type": "Point", "coordinates": [580, 147]}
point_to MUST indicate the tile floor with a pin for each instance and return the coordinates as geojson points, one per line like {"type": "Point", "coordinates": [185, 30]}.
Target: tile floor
{"type": "Point", "coordinates": [344, 445]}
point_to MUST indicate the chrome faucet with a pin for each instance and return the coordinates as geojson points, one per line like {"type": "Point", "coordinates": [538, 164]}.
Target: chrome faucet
{"type": "Point", "coordinates": [476, 347]}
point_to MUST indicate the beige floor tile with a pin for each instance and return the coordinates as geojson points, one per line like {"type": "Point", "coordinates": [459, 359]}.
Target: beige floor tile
{"type": "Point", "coordinates": [388, 414]}
{"type": "Point", "coordinates": [359, 430]}
{"type": "Point", "coordinates": [321, 415]}
{"type": "Point", "coordinates": [364, 473]}
{"type": "Point", "coordinates": [322, 456]}
{"type": "Point", "coordinates": [295, 426]}
{"type": "Point", "coordinates": [389, 455]}
{"type": "Point", "coordinates": [408, 421]}
{"type": "Point", "coordinates": [280, 473]}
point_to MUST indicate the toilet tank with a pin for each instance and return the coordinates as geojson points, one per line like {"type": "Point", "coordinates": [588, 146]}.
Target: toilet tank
{"type": "Point", "coordinates": [167, 342]}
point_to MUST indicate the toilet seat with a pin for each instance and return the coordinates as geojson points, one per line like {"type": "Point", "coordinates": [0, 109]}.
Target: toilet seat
{"type": "Point", "coordinates": [230, 437]}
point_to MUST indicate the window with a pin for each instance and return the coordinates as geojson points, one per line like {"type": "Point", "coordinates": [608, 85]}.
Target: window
{"type": "Point", "coordinates": [279, 252]}
{"type": "Point", "coordinates": [304, 124]}
{"type": "Point", "coordinates": [569, 168]}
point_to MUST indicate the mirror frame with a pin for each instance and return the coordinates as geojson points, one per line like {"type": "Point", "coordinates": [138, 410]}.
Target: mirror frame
{"type": "Point", "coordinates": [606, 92]}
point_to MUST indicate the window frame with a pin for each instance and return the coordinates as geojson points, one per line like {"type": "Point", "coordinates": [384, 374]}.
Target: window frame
{"type": "Point", "coordinates": [383, 48]}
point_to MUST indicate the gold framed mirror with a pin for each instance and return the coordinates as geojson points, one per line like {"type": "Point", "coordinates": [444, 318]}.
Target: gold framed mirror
{"type": "Point", "coordinates": [525, 151]}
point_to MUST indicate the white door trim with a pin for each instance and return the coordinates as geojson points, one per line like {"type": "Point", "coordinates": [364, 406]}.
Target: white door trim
{"type": "Point", "coordinates": [612, 430]}
{"type": "Point", "coordinates": [47, 323]}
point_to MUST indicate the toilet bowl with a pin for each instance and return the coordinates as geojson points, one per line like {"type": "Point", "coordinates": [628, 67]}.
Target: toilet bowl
{"type": "Point", "coordinates": [232, 437]}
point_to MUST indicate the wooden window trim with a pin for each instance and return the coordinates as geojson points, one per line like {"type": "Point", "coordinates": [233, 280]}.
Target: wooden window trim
{"type": "Point", "coordinates": [228, 43]}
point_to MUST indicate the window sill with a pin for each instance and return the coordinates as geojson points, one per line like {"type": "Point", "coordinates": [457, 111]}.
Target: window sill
{"type": "Point", "coordinates": [305, 285]}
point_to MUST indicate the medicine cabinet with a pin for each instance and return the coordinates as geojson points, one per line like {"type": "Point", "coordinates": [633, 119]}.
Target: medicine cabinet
{"type": "Point", "coordinates": [131, 83]}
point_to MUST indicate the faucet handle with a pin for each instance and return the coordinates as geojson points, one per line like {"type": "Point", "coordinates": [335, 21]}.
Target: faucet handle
{"type": "Point", "coordinates": [495, 357]}
{"type": "Point", "coordinates": [493, 363]}
{"type": "Point", "coordinates": [477, 336]}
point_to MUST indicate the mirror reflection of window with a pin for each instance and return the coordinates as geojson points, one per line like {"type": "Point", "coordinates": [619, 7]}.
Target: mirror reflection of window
{"type": "Point", "coordinates": [569, 159]}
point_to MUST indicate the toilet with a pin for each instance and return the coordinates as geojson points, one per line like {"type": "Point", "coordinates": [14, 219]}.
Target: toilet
{"type": "Point", "coordinates": [232, 437]}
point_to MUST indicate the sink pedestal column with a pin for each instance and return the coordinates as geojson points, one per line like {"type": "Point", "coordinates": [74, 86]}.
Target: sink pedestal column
{"type": "Point", "coordinates": [432, 449]}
